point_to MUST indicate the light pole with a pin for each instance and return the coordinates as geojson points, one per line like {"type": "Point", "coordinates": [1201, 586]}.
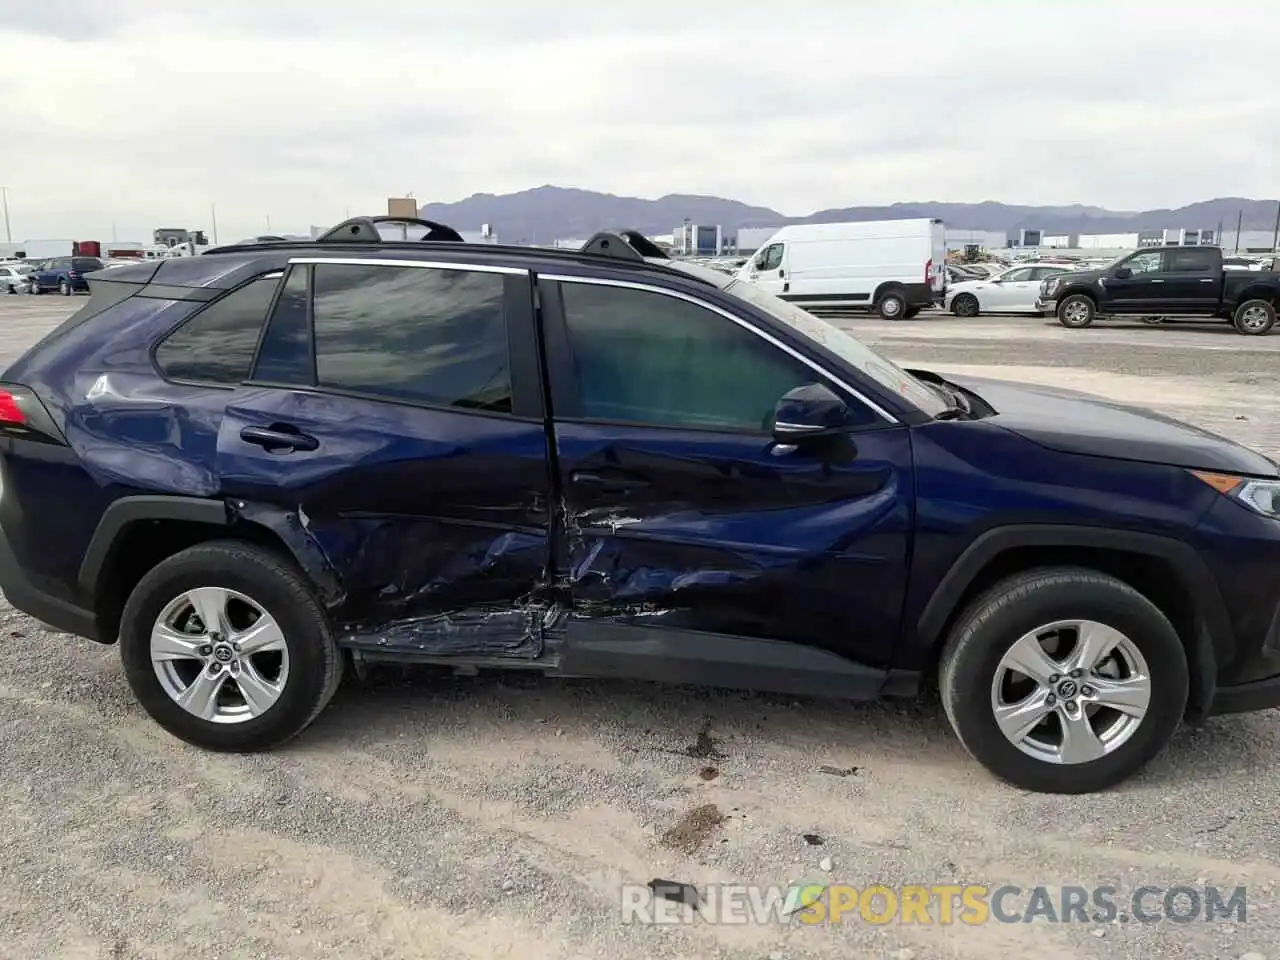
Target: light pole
{"type": "Point", "coordinates": [4, 201]}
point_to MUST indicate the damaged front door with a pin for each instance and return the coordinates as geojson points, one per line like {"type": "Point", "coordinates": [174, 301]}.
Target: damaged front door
{"type": "Point", "coordinates": [697, 547]}
{"type": "Point", "coordinates": [392, 435]}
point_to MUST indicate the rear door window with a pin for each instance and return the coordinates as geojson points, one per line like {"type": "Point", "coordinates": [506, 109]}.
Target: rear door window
{"type": "Point", "coordinates": [216, 345]}
{"type": "Point", "coordinates": [418, 334]}
{"type": "Point", "coordinates": [86, 264]}
{"type": "Point", "coordinates": [1192, 261]}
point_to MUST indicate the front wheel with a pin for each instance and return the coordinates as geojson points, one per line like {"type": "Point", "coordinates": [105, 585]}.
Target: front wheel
{"type": "Point", "coordinates": [1077, 312]}
{"type": "Point", "coordinates": [227, 648]}
{"type": "Point", "coordinates": [965, 305]}
{"type": "Point", "coordinates": [1063, 680]}
{"type": "Point", "coordinates": [891, 305]}
{"type": "Point", "coordinates": [1254, 318]}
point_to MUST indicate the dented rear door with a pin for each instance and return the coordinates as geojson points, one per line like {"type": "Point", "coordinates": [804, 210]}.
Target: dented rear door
{"type": "Point", "coordinates": [680, 511]}
{"type": "Point", "coordinates": [391, 434]}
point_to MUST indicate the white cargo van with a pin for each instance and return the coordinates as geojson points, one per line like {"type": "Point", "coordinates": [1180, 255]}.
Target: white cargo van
{"type": "Point", "coordinates": [894, 267]}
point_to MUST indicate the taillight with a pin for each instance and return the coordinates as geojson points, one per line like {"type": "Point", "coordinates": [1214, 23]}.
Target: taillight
{"type": "Point", "coordinates": [23, 416]}
{"type": "Point", "coordinates": [928, 270]}
{"type": "Point", "coordinates": [73, 275]}
{"type": "Point", "coordinates": [10, 412]}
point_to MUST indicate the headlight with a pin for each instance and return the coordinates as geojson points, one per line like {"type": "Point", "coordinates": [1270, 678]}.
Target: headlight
{"type": "Point", "coordinates": [1262, 496]}
{"type": "Point", "coordinates": [1050, 285]}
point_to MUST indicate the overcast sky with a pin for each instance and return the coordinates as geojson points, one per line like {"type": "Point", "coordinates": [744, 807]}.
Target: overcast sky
{"type": "Point", "coordinates": [143, 114]}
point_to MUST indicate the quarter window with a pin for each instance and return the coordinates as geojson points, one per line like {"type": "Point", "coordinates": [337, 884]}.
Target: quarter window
{"type": "Point", "coordinates": [647, 358]}
{"type": "Point", "coordinates": [217, 344]}
{"type": "Point", "coordinates": [413, 333]}
{"type": "Point", "coordinates": [285, 355]}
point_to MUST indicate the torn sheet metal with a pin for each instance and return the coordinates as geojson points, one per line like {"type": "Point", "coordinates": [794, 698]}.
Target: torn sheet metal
{"type": "Point", "coordinates": [293, 528]}
{"type": "Point", "coordinates": [515, 633]}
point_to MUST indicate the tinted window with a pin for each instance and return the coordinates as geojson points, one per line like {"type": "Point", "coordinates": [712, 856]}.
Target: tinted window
{"type": "Point", "coordinates": [216, 345]}
{"type": "Point", "coordinates": [646, 358]}
{"type": "Point", "coordinates": [86, 264]}
{"type": "Point", "coordinates": [1145, 262]}
{"type": "Point", "coordinates": [285, 355]}
{"type": "Point", "coordinates": [1192, 261]}
{"type": "Point", "coordinates": [413, 333]}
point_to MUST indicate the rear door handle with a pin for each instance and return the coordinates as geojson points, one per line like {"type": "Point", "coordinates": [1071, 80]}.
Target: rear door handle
{"type": "Point", "coordinates": [1155, 281]}
{"type": "Point", "coordinates": [1210, 280]}
{"type": "Point", "coordinates": [279, 437]}
{"type": "Point", "coordinates": [611, 481]}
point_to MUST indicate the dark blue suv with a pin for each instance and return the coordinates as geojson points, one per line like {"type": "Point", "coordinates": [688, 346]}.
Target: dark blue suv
{"type": "Point", "coordinates": [67, 275]}
{"type": "Point", "coordinates": [257, 467]}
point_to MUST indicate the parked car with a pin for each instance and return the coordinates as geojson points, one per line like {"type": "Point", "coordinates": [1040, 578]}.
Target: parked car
{"type": "Point", "coordinates": [1173, 283]}
{"type": "Point", "coordinates": [600, 463]}
{"type": "Point", "coordinates": [13, 277]}
{"type": "Point", "coordinates": [64, 274]}
{"type": "Point", "coordinates": [1013, 291]}
{"type": "Point", "coordinates": [893, 267]}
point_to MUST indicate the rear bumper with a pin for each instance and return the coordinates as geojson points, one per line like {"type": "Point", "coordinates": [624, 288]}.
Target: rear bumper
{"type": "Point", "coordinates": [919, 294]}
{"type": "Point", "coordinates": [25, 596]}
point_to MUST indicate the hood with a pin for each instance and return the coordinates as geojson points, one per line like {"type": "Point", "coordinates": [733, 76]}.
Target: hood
{"type": "Point", "coordinates": [1074, 422]}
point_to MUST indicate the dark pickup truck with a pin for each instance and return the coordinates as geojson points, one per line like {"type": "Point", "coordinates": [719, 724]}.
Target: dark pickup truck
{"type": "Point", "coordinates": [1169, 283]}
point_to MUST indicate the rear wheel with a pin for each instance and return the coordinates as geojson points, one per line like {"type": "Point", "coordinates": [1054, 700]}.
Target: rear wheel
{"type": "Point", "coordinates": [226, 647]}
{"type": "Point", "coordinates": [64, 288]}
{"type": "Point", "coordinates": [965, 305]}
{"type": "Point", "coordinates": [1063, 680]}
{"type": "Point", "coordinates": [1254, 318]}
{"type": "Point", "coordinates": [33, 288]}
{"type": "Point", "coordinates": [891, 305]}
{"type": "Point", "coordinates": [1077, 312]}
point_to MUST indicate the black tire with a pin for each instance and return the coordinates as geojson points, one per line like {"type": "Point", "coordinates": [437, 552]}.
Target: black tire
{"type": "Point", "coordinates": [64, 288]}
{"type": "Point", "coordinates": [33, 289]}
{"type": "Point", "coordinates": [892, 305]}
{"type": "Point", "coordinates": [315, 664]}
{"type": "Point", "coordinates": [1254, 318]}
{"type": "Point", "coordinates": [912, 313]}
{"type": "Point", "coordinates": [965, 305]}
{"type": "Point", "coordinates": [994, 622]}
{"type": "Point", "coordinates": [1077, 311]}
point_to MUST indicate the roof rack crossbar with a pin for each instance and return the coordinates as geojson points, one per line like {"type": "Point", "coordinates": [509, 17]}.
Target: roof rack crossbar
{"type": "Point", "coordinates": [365, 230]}
{"type": "Point", "coordinates": [623, 245]}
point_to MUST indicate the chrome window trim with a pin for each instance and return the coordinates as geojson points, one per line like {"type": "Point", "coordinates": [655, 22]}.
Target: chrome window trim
{"type": "Point", "coordinates": [425, 264]}
{"type": "Point", "coordinates": [763, 335]}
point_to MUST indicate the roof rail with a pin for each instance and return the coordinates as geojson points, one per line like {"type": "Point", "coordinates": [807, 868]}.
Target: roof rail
{"type": "Point", "coordinates": [623, 245]}
{"type": "Point", "coordinates": [365, 230]}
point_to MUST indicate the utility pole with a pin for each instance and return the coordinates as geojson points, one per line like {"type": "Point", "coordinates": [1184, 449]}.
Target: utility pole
{"type": "Point", "coordinates": [4, 199]}
{"type": "Point", "coordinates": [1275, 236]}
{"type": "Point", "coordinates": [1239, 224]}
{"type": "Point", "coordinates": [213, 222]}
{"type": "Point", "coordinates": [268, 223]}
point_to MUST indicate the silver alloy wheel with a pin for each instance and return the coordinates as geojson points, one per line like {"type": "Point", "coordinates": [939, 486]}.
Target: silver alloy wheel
{"type": "Point", "coordinates": [1254, 318]}
{"type": "Point", "coordinates": [1075, 313]}
{"type": "Point", "coordinates": [219, 655]}
{"type": "Point", "coordinates": [1071, 691]}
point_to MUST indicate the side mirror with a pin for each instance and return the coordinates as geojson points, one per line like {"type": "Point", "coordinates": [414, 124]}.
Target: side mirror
{"type": "Point", "coordinates": [1123, 273]}
{"type": "Point", "coordinates": [808, 412]}
{"type": "Point", "coordinates": [996, 280]}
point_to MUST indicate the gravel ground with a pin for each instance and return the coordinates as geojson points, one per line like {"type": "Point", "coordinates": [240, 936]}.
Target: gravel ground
{"type": "Point", "coordinates": [499, 817]}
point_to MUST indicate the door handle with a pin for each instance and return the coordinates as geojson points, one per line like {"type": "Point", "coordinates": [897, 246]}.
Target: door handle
{"type": "Point", "coordinates": [279, 436]}
{"type": "Point", "coordinates": [1155, 281]}
{"type": "Point", "coordinates": [601, 481]}
{"type": "Point", "coordinates": [1210, 280]}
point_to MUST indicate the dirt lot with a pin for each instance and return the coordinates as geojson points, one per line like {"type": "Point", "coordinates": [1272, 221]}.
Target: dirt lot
{"type": "Point", "coordinates": [477, 818]}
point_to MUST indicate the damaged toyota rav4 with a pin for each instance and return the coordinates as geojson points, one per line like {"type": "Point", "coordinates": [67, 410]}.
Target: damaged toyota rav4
{"type": "Point", "coordinates": [256, 468]}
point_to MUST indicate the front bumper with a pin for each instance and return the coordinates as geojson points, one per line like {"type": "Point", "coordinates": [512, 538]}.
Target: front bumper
{"type": "Point", "coordinates": [1046, 306]}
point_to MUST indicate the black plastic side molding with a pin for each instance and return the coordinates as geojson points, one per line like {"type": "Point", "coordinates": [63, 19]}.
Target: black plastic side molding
{"type": "Point", "coordinates": [129, 510]}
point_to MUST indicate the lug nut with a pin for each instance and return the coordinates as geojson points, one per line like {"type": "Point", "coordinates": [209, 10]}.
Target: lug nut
{"type": "Point", "coordinates": [1087, 691]}
{"type": "Point", "coordinates": [1055, 678]}
{"type": "Point", "coordinates": [1051, 700]}
{"type": "Point", "coordinates": [206, 650]}
{"type": "Point", "coordinates": [214, 669]}
{"type": "Point", "coordinates": [1077, 673]}
{"type": "Point", "coordinates": [1071, 706]}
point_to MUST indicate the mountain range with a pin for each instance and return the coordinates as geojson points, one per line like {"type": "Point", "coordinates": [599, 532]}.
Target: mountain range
{"type": "Point", "coordinates": [549, 213]}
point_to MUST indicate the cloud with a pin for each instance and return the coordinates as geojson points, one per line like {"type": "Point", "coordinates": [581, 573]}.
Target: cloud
{"type": "Point", "coordinates": [143, 115]}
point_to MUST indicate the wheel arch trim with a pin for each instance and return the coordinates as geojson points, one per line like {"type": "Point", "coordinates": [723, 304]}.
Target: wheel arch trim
{"type": "Point", "coordinates": [1213, 626]}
